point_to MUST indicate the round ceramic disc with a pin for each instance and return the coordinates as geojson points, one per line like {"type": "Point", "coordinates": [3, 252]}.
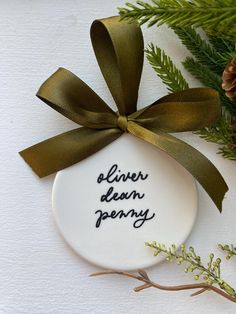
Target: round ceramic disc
{"type": "Point", "coordinates": [108, 205]}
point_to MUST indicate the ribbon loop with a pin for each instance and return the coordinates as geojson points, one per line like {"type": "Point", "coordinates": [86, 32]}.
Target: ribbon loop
{"type": "Point", "coordinates": [119, 50]}
{"type": "Point", "coordinates": [189, 110]}
{"type": "Point", "coordinates": [69, 95]}
{"type": "Point", "coordinates": [118, 47]}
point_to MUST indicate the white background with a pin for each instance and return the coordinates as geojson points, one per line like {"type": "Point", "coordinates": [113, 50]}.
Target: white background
{"type": "Point", "coordinates": [39, 273]}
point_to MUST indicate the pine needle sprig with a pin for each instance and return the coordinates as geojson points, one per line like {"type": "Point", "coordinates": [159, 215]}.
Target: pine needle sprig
{"type": "Point", "coordinates": [172, 77]}
{"type": "Point", "coordinates": [227, 152]}
{"type": "Point", "coordinates": [201, 50]}
{"type": "Point", "coordinates": [165, 69]}
{"type": "Point", "coordinates": [210, 60]}
{"type": "Point", "coordinates": [216, 17]}
{"type": "Point", "coordinates": [230, 250]}
{"type": "Point", "coordinates": [210, 79]}
{"type": "Point", "coordinates": [174, 80]}
{"type": "Point", "coordinates": [221, 134]}
{"type": "Point", "coordinates": [222, 45]}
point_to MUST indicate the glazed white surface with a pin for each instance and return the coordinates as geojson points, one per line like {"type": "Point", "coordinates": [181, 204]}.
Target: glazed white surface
{"type": "Point", "coordinates": [38, 270]}
{"type": "Point", "coordinates": [163, 204]}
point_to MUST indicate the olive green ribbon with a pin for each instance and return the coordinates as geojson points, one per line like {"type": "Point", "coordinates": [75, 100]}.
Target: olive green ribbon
{"type": "Point", "coordinates": [119, 51]}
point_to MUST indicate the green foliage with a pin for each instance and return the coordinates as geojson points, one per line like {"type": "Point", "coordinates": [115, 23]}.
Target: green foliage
{"type": "Point", "coordinates": [202, 51]}
{"type": "Point", "coordinates": [222, 45]}
{"type": "Point", "coordinates": [173, 79]}
{"type": "Point", "coordinates": [228, 151]}
{"type": "Point", "coordinates": [210, 79]}
{"type": "Point", "coordinates": [209, 60]}
{"type": "Point", "coordinates": [230, 250]}
{"type": "Point", "coordinates": [210, 273]}
{"type": "Point", "coordinates": [209, 57]}
{"type": "Point", "coordinates": [216, 17]}
{"type": "Point", "coordinates": [207, 66]}
{"type": "Point", "coordinates": [221, 134]}
{"type": "Point", "coordinates": [165, 69]}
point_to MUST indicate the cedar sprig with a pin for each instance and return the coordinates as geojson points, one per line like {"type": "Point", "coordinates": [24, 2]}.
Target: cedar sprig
{"type": "Point", "coordinates": [211, 273]}
{"type": "Point", "coordinates": [222, 45]}
{"type": "Point", "coordinates": [209, 60]}
{"type": "Point", "coordinates": [210, 79]}
{"type": "Point", "coordinates": [203, 52]}
{"type": "Point", "coordinates": [221, 133]}
{"type": "Point", "coordinates": [230, 250]}
{"type": "Point", "coordinates": [216, 17]}
{"type": "Point", "coordinates": [208, 63]}
{"type": "Point", "coordinates": [165, 69]}
{"type": "Point", "coordinates": [172, 77]}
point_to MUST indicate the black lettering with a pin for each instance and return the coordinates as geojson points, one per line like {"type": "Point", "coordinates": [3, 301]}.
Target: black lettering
{"type": "Point", "coordinates": [114, 175]}
{"type": "Point", "coordinates": [114, 196]}
{"type": "Point", "coordinates": [142, 216]}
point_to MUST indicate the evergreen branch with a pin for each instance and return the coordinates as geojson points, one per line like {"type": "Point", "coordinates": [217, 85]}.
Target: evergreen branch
{"type": "Point", "coordinates": [215, 16]}
{"type": "Point", "coordinates": [221, 31]}
{"type": "Point", "coordinates": [221, 134]}
{"type": "Point", "coordinates": [201, 50]}
{"type": "Point", "coordinates": [165, 69]}
{"type": "Point", "coordinates": [210, 79]}
{"type": "Point", "coordinates": [228, 152]}
{"type": "Point", "coordinates": [222, 45]}
{"type": "Point", "coordinates": [230, 250]}
{"type": "Point", "coordinates": [173, 79]}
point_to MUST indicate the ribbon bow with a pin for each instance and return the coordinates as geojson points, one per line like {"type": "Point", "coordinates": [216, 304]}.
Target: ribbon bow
{"type": "Point", "coordinates": [119, 51]}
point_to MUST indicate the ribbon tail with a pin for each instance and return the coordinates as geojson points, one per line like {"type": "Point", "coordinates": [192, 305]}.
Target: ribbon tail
{"type": "Point", "coordinates": [190, 158]}
{"type": "Point", "coordinates": [66, 149]}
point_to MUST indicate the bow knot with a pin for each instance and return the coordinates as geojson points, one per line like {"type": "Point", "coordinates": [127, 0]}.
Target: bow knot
{"type": "Point", "coordinates": [122, 122]}
{"type": "Point", "coordinates": [119, 50]}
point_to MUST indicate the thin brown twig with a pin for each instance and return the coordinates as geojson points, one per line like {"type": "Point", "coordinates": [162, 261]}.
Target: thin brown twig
{"type": "Point", "coordinates": [142, 287]}
{"type": "Point", "coordinates": [199, 292]}
{"type": "Point", "coordinates": [148, 283]}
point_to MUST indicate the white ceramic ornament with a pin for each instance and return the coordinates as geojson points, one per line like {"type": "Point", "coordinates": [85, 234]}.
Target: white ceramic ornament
{"type": "Point", "coordinates": [108, 222]}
